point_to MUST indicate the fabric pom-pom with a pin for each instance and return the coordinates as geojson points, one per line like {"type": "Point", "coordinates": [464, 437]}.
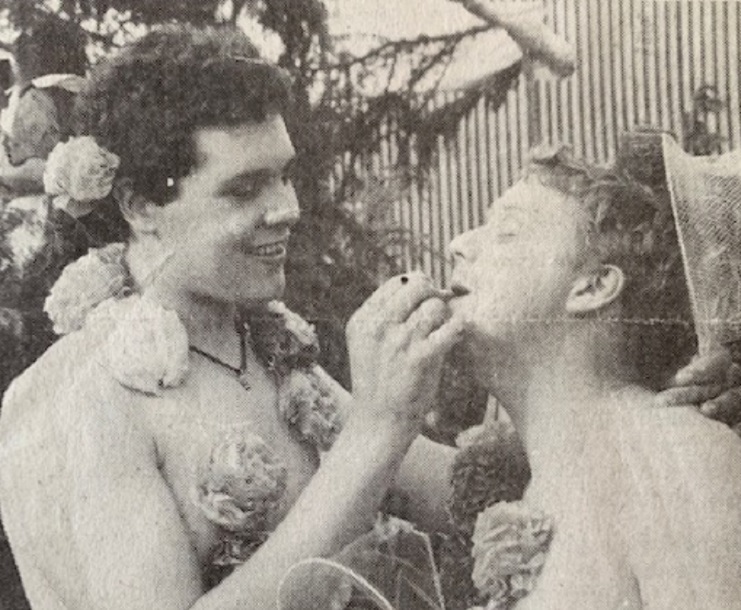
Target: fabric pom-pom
{"type": "Point", "coordinates": [83, 285]}
{"type": "Point", "coordinates": [308, 405]}
{"type": "Point", "coordinates": [148, 348]}
{"type": "Point", "coordinates": [510, 544]}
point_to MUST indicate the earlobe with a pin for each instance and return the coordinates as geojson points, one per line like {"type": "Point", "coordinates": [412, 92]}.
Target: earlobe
{"type": "Point", "coordinates": [596, 290]}
{"type": "Point", "coordinates": [139, 212]}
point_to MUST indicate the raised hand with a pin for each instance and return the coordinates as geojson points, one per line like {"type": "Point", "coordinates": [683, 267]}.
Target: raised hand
{"type": "Point", "coordinates": [397, 341]}
{"type": "Point", "coordinates": [711, 382]}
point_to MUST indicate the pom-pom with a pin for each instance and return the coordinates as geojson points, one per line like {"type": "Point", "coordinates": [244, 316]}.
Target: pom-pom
{"type": "Point", "coordinates": [83, 285]}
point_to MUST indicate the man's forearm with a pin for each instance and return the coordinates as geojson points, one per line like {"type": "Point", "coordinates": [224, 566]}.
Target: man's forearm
{"type": "Point", "coordinates": [339, 504]}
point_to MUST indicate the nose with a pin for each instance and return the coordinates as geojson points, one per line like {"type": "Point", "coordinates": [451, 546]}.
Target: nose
{"type": "Point", "coordinates": [282, 209]}
{"type": "Point", "coordinates": [464, 246]}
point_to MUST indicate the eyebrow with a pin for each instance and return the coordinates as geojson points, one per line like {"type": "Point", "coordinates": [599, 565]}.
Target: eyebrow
{"type": "Point", "coordinates": [260, 173]}
{"type": "Point", "coordinates": [524, 214]}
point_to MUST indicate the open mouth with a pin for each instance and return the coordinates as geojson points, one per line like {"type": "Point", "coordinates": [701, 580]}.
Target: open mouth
{"type": "Point", "coordinates": [273, 250]}
{"type": "Point", "coordinates": [459, 291]}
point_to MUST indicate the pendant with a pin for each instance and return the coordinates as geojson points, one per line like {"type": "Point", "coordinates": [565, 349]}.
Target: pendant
{"type": "Point", "coordinates": [244, 380]}
{"type": "Point", "coordinates": [243, 331]}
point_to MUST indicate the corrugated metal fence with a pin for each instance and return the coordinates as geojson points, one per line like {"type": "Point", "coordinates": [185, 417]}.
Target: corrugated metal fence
{"type": "Point", "coordinates": [639, 64]}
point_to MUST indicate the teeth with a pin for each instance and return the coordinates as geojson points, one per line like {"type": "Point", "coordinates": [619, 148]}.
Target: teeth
{"type": "Point", "coordinates": [270, 250]}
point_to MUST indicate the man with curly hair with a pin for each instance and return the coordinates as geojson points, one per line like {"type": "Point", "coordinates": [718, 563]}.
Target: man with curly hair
{"type": "Point", "coordinates": [576, 311]}
{"type": "Point", "coordinates": [153, 457]}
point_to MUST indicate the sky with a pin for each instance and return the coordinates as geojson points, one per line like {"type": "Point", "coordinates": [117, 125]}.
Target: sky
{"type": "Point", "coordinates": [361, 24]}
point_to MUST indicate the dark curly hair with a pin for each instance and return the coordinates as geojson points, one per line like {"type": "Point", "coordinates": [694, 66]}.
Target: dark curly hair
{"type": "Point", "coordinates": [628, 222]}
{"type": "Point", "coordinates": [145, 103]}
{"type": "Point", "coordinates": [51, 45]}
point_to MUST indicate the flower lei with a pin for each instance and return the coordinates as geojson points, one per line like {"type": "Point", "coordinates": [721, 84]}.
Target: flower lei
{"type": "Point", "coordinates": [148, 347]}
{"type": "Point", "coordinates": [510, 544]}
{"type": "Point", "coordinates": [147, 350]}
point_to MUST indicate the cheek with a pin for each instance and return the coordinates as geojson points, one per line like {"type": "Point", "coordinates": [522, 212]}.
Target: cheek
{"type": "Point", "coordinates": [521, 286]}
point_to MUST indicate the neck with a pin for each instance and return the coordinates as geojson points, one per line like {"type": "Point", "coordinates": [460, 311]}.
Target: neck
{"type": "Point", "coordinates": [210, 324]}
{"type": "Point", "coordinates": [554, 389]}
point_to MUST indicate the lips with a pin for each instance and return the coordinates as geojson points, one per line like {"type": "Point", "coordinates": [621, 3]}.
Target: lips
{"type": "Point", "coordinates": [275, 250]}
{"type": "Point", "coordinates": [459, 290]}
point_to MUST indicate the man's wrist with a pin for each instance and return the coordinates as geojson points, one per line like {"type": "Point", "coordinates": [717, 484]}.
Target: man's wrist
{"type": "Point", "coordinates": [390, 425]}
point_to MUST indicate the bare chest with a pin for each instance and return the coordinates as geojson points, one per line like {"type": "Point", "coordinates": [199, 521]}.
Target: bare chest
{"type": "Point", "coordinates": [585, 567]}
{"type": "Point", "coordinates": [219, 443]}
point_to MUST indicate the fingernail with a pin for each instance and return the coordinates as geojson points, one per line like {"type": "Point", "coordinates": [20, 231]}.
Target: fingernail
{"type": "Point", "coordinates": [710, 409]}
{"type": "Point", "coordinates": [404, 279]}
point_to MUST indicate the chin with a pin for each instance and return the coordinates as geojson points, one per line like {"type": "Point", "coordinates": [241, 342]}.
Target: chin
{"type": "Point", "coordinates": [264, 295]}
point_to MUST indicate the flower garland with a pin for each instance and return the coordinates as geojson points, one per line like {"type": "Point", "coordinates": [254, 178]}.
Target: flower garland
{"type": "Point", "coordinates": [240, 492]}
{"type": "Point", "coordinates": [148, 346]}
{"type": "Point", "coordinates": [510, 545]}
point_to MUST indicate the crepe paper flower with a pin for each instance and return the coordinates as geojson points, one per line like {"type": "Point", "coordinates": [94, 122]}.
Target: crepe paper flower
{"type": "Point", "coordinates": [99, 275]}
{"type": "Point", "coordinates": [491, 466]}
{"type": "Point", "coordinates": [308, 405]}
{"type": "Point", "coordinates": [294, 323]}
{"type": "Point", "coordinates": [79, 172]}
{"type": "Point", "coordinates": [281, 339]}
{"type": "Point", "coordinates": [147, 350]}
{"type": "Point", "coordinates": [510, 544]}
{"type": "Point", "coordinates": [234, 549]}
{"type": "Point", "coordinates": [243, 487]}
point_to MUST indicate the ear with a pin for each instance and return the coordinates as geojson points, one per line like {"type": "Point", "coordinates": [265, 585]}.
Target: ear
{"type": "Point", "coordinates": [595, 290]}
{"type": "Point", "coordinates": [139, 212]}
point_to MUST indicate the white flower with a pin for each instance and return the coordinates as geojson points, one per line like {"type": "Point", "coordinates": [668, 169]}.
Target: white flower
{"type": "Point", "coordinates": [148, 348]}
{"type": "Point", "coordinates": [294, 323]}
{"type": "Point", "coordinates": [83, 285]}
{"type": "Point", "coordinates": [510, 544]}
{"type": "Point", "coordinates": [78, 172]}
{"type": "Point", "coordinates": [310, 407]}
{"type": "Point", "coordinates": [244, 485]}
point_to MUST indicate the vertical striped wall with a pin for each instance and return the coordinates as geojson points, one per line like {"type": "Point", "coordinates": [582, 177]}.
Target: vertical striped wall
{"type": "Point", "coordinates": [639, 63]}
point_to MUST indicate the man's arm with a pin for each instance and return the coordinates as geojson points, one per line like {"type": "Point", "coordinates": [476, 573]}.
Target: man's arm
{"type": "Point", "coordinates": [129, 544]}
{"type": "Point", "coordinates": [423, 481]}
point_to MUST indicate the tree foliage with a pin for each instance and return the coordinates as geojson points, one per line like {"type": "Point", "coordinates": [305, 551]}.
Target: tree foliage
{"type": "Point", "coordinates": [337, 258]}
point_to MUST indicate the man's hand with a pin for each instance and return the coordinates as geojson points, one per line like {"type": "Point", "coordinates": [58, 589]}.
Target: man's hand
{"type": "Point", "coordinates": [397, 341]}
{"type": "Point", "coordinates": [713, 383]}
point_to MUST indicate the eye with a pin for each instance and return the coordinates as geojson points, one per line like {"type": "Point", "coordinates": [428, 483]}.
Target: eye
{"type": "Point", "coordinates": [289, 173]}
{"type": "Point", "coordinates": [246, 189]}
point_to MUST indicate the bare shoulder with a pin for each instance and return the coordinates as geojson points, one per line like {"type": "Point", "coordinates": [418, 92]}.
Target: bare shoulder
{"type": "Point", "coordinates": [61, 414]}
{"type": "Point", "coordinates": [67, 385]}
{"type": "Point", "coordinates": [679, 506]}
{"type": "Point", "coordinates": [683, 444]}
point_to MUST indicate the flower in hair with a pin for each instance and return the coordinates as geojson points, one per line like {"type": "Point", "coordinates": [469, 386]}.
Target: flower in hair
{"type": "Point", "coordinates": [79, 172]}
{"type": "Point", "coordinates": [84, 284]}
{"type": "Point", "coordinates": [510, 544]}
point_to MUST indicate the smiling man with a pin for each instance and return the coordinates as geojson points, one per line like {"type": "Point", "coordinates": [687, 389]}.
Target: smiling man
{"type": "Point", "coordinates": [148, 459]}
